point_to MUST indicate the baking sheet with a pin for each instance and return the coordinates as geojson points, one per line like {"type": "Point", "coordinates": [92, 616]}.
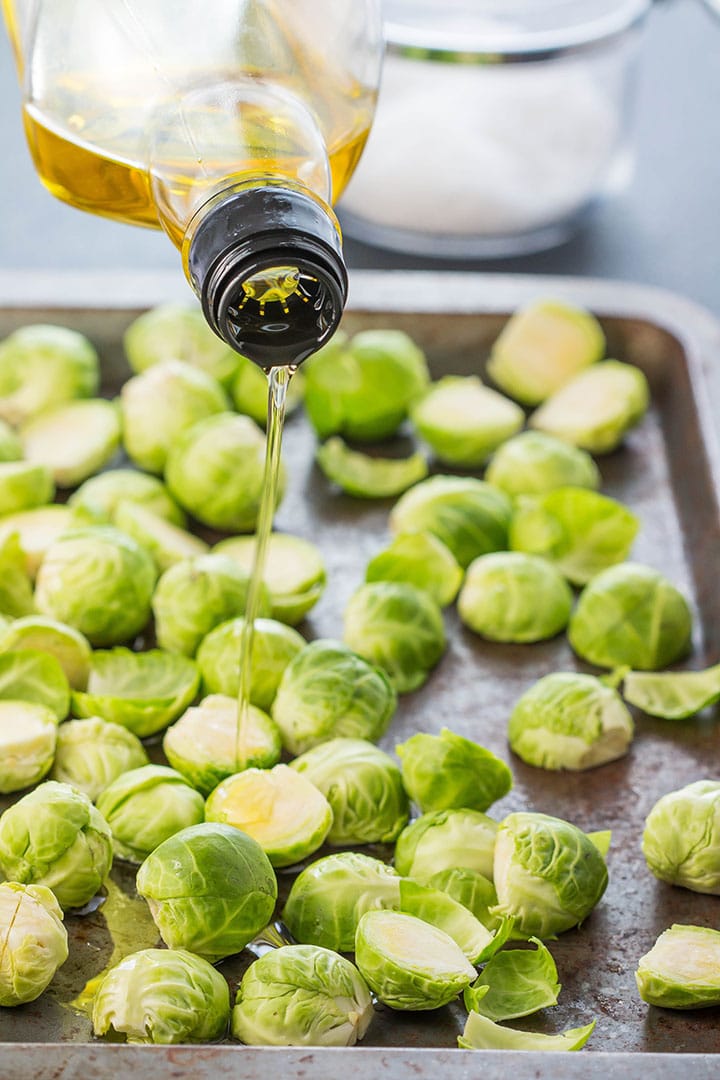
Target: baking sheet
{"type": "Point", "coordinates": [668, 474]}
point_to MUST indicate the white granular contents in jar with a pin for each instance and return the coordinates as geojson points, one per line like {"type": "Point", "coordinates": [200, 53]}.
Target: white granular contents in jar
{"type": "Point", "coordinates": [462, 150]}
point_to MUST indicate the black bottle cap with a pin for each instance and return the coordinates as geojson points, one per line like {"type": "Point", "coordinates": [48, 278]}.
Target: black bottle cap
{"type": "Point", "coordinates": [267, 265]}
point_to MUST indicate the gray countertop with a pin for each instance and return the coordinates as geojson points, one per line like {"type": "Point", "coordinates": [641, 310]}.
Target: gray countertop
{"type": "Point", "coordinates": [664, 230]}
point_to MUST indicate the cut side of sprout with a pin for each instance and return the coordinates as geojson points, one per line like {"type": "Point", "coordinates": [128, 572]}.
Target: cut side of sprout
{"type": "Point", "coordinates": [28, 735]}
{"type": "Point", "coordinates": [74, 441]}
{"type": "Point", "coordinates": [167, 543]}
{"type": "Point", "coordinates": [682, 970]}
{"type": "Point", "coordinates": [294, 572]}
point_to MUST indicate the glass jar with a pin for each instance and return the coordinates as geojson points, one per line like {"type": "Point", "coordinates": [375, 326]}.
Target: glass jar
{"type": "Point", "coordinates": [500, 123]}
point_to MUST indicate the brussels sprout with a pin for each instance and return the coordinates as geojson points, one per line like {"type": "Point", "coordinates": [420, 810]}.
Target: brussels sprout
{"type": "Point", "coordinates": [40, 367]}
{"type": "Point", "coordinates": [10, 445]}
{"type": "Point", "coordinates": [408, 963]}
{"type": "Point", "coordinates": [419, 559]}
{"type": "Point", "coordinates": [596, 409]}
{"type": "Point", "coordinates": [142, 691]}
{"type": "Point", "coordinates": [682, 970]}
{"type": "Point", "coordinates": [16, 595]}
{"type": "Point", "coordinates": [274, 646]}
{"type": "Point", "coordinates": [482, 1034]}
{"type": "Point", "coordinates": [548, 874]}
{"type": "Point", "coordinates": [54, 836]}
{"type": "Point", "coordinates": [249, 391]}
{"type": "Point", "coordinates": [515, 983]}
{"type": "Point", "coordinates": [294, 572]}
{"type": "Point", "coordinates": [363, 388]}
{"type": "Point", "coordinates": [464, 421]}
{"type": "Point", "coordinates": [98, 581]}
{"type": "Point", "coordinates": [472, 890]}
{"type": "Point", "coordinates": [533, 463]}
{"type": "Point", "coordinates": [210, 888]}
{"type": "Point", "coordinates": [215, 471]}
{"type": "Point", "coordinates": [30, 675]}
{"type": "Point", "coordinates": [397, 627]}
{"type": "Point", "coordinates": [326, 1000]}
{"type": "Point", "coordinates": [447, 772]}
{"type": "Point", "coordinates": [91, 753]}
{"type": "Point", "coordinates": [446, 839]}
{"type": "Point", "coordinates": [579, 531]}
{"type": "Point", "coordinates": [37, 529]}
{"type": "Point", "coordinates": [69, 647]}
{"type": "Point", "coordinates": [161, 403]}
{"type": "Point", "coordinates": [570, 721]}
{"type": "Point", "coordinates": [162, 996]}
{"type": "Point", "coordinates": [469, 516]}
{"type": "Point", "coordinates": [328, 691]}
{"type": "Point", "coordinates": [439, 909]}
{"type": "Point", "coordinates": [329, 897]}
{"type": "Point", "coordinates": [178, 332]}
{"type": "Point", "coordinates": [630, 614]}
{"type": "Point", "coordinates": [541, 347]}
{"type": "Point", "coordinates": [96, 501]}
{"type": "Point", "coordinates": [673, 695]}
{"type": "Point", "coordinates": [510, 596]}
{"type": "Point", "coordinates": [24, 485]}
{"type": "Point", "coordinates": [368, 477]}
{"type": "Point", "coordinates": [28, 734]}
{"type": "Point", "coordinates": [363, 786]}
{"type": "Point", "coordinates": [287, 815]}
{"type": "Point", "coordinates": [73, 441]}
{"type": "Point", "coordinates": [33, 941]}
{"type": "Point", "coordinates": [681, 839]}
{"type": "Point", "coordinates": [145, 806]}
{"type": "Point", "coordinates": [166, 543]}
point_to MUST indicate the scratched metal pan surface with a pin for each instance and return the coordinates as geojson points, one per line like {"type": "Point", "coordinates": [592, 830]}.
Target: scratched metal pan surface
{"type": "Point", "coordinates": [668, 473]}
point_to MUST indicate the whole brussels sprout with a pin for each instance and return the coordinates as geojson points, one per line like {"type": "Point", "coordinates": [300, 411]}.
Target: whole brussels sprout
{"type": "Point", "coordinates": [97, 500]}
{"type": "Point", "coordinates": [630, 615]}
{"type": "Point", "coordinates": [28, 735]}
{"type": "Point", "coordinates": [162, 996]}
{"type": "Point", "coordinates": [463, 421]}
{"type": "Point", "coordinates": [397, 627]}
{"type": "Point", "coordinates": [210, 888]}
{"type": "Point", "coordinates": [68, 646]}
{"type": "Point", "coordinates": [443, 840]}
{"type": "Point", "coordinates": [419, 559]}
{"type": "Point", "coordinates": [24, 485]}
{"type": "Point", "coordinates": [98, 581]}
{"type": "Point", "coordinates": [363, 786]}
{"type": "Point", "coordinates": [508, 596]}
{"type": "Point", "coordinates": [33, 941]}
{"type": "Point", "coordinates": [54, 836]}
{"type": "Point", "coordinates": [42, 366]}
{"type": "Point", "coordinates": [366, 476]}
{"type": "Point", "coordinates": [682, 970]}
{"type": "Point", "coordinates": [294, 572]}
{"type": "Point", "coordinates": [74, 440]}
{"type": "Point", "coordinates": [448, 772]}
{"type": "Point", "coordinates": [274, 646]}
{"type": "Point", "coordinates": [681, 839]}
{"type": "Point", "coordinates": [178, 332]}
{"type": "Point", "coordinates": [329, 691]}
{"type": "Point", "coordinates": [532, 463]}
{"type": "Point", "coordinates": [91, 753]}
{"type": "Point", "coordinates": [327, 1002]}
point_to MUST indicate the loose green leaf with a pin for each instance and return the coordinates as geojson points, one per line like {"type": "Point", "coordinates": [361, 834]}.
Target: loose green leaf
{"type": "Point", "coordinates": [517, 982]}
{"type": "Point", "coordinates": [482, 1034]}
{"type": "Point", "coordinates": [673, 695]}
{"type": "Point", "coordinates": [368, 477]}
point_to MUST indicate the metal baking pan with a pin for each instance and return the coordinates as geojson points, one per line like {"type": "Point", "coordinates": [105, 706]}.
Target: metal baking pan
{"type": "Point", "coordinates": [669, 474]}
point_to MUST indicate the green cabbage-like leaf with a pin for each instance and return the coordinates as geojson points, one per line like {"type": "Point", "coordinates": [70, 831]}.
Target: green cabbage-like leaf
{"type": "Point", "coordinates": [446, 839]}
{"type": "Point", "coordinates": [514, 983]}
{"type": "Point", "coordinates": [482, 1034]}
{"type": "Point", "coordinates": [419, 559]}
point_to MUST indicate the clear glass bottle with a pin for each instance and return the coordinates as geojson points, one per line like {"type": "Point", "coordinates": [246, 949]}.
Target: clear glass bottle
{"type": "Point", "coordinates": [231, 124]}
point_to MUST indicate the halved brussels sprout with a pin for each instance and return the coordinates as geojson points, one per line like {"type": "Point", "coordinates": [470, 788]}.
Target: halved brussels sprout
{"type": "Point", "coordinates": [482, 1034]}
{"type": "Point", "coordinates": [215, 471]}
{"type": "Point", "coordinates": [31, 675]}
{"type": "Point", "coordinates": [204, 746]}
{"type": "Point", "coordinates": [41, 366]}
{"type": "Point", "coordinates": [178, 332]}
{"type": "Point", "coordinates": [548, 874]}
{"type": "Point", "coordinates": [326, 1000]}
{"type": "Point", "coordinates": [73, 441]}
{"type": "Point", "coordinates": [570, 721]}
{"type": "Point", "coordinates": [69, 647]}
{"type": "Point", "coordinates": [365, 476]}
{"type": "Point", "coordinates": [597, 408]}
{"type": "Point", "coordinates": [328, 691]}
{"type": "Point", "coordinates": [142, 691]}
{"type": "Point", "coordinates": [439, 909]}
{"type": "Point", "coordinates": [469, 516]}
{"type": "Point", "coordinates": [96, 501]}
{"type": "Point", "coordinates": [162, 996]}
{"type": "Point", "coordinates": [533, 463]}
{"type": "Point", "coordinates": [579, 531]}
{"type": "Point", "coordinates": [287, 815]}
{"type": "Point", "coordinates": [397, 627]}
{"type": "Point", "coordinates": [249, 391]}
{"type": "Point", "coordinates": [672, 695]}
{"type": "Point", "coordinates": [447, 772]}
{"type": "Point", "coordinates": [36, 529]}
{"type": "Point", "coordinates": [419, 559]}
{"type": "Point", "coordinates": [54, 836]}
{"type": "Point", "coordinates": [510, 596]}
{"type": "Point", "coordinates": [541, 347]}
{"type": "Point", "coordinates": [471, 889]}
{"type": "Point", "coordinates": [274, 646]}
{"type": "Point", "coordinates": [682, 970]}
{"type": "Point", "coordinates": [91, 753]}
{"type": "Point", "coordinates": [517, 982]}
{"type": "Point", "coordinates": [681, 838]}
{"type": "Point", "coordinates": [408, 963]}
{"type": "Point", "coordinates": [24, 485]}
{"type": "Point", "coordinates": [446, 839]}
{"type": "Point", "coordinates": [28, 735]}
{"type": "Point", "coordinates": [145, 806]}
{"type": "Point", "coordinates": [210, 888]}
{"type": "Point", "coordinates": [16, 594]}
{"type": "Point", "coordinates": [329, 897]}
{"type": "Point", "coordinates": [294, 572]}
{"type": "Point", "coordinates": [463, 421]}
{"type": "Point", "coordinates": [363, 786]}
{"type": "Point", "coordinates": [10, 445]}
{"type": "Point", "coordinates": [166, 543]}
{"type": "Point", "coordinates": [630, 614]}
{"type": "Point", "coordinates": [33, 942]}
{"type": "Point", "coordinates": [99, 581]}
